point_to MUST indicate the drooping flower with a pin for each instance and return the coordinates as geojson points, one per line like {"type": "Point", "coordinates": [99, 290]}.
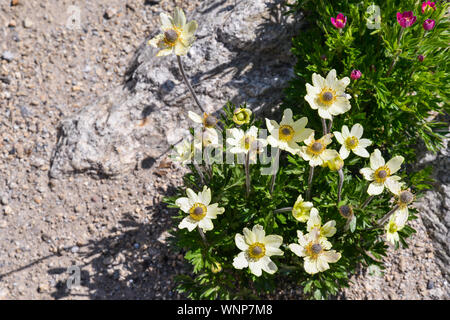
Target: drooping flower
{"type": "Point", "coordinates": [355, 74]}
{"type": "Point", "coordinates": [381, 173]}
{"type": "Point", "coordinates": [406, 19]}
{"type": "Point", "coordinates": [429, 24]}
{"type": "Point", "coordinates": [351, 141]}
{"type": "Point", "coordinates": [340, 21]}
{"type": "Point", "coordinates": [428, 6]}
{"type": "Point", "coordinates": [316, 151]}
{"type": "Point", "coordinates": [200, 210]}
{"type": "Point", "coordinates": [286, 134]}
{"type": "Point", "coordinates": [208, 135]}
{"type": "Point", "coordinates": [302, 209]}
{"type": "Point", "coordinates": [315, 250]}
{"type": "Point", "coordinates": [244, 142]}
{"type": "Point", "coordinates": [396, 223]}
{"type": "Point", "coordinates": [177, 36]}
{"type": "Point", "coordinates": [315, 223]}
{"type": "Point", "coordinates": [335, 164]}
{"type": "Point", "coordinates": [328, 95]}
{"type": "Point", "coordinates": [183, 152]}
{"type": "Point", "coordinates": [257, 248]}
{"type": "Point", "coordinates": [242, 116]}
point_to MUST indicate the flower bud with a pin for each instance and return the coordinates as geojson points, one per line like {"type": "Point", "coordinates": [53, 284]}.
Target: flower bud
{"type": "Point", "coordinates": [216, 267]}
{"type": "Point", "coordinates": [335, 164]}
{"type": "Point", "coordinates": [242, 116]}
{"type": "Point", "coordinates": [406, 197]}
{"type": "Point", "coordinates": [355, 74]}
{"type": "Point", "coordinates": [429, 24]}
{"type": "Point", "coordinates": [420, 58]}
{"type": "Point", "coordinates": [340, 21]}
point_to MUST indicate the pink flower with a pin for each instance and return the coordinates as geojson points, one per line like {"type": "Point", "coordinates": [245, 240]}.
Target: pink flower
{"type": "Point", "coordinates": [429, 24]}
{"type": "Point", "coordinates": [406, 19]}
{"type": "Point", "coordinates": [355, 74]}
{"type": "Point", "coordinates": [340, 21]}
{"type": "Point", "coordinates": [420, 57]}
{"type": "Point", "coordinates": [426, 6]}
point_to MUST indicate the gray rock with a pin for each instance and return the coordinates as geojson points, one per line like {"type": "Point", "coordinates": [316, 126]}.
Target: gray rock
{"type": "Point", "coordinates": [242, 54]}
{"type": "Point", "coordinates": [434, 206]}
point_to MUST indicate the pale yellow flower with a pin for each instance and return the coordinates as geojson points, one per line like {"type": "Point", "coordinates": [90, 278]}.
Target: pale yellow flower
{"type": "Point", "coordinates": [177, 36]}
{"type": "Point", "coordinates": [316, 151]}
{"type": "Point", "coordinates": [257, 248]}
{"type": "Point", "coordinates": [396, 223]}
{"type": "Point", "coordinates": [302, 209]}
{"type": "Point", "coordinates": [315, 222]}
{"type": "Point", "coordinates": [244, 142]}
{"type": "Point", "coordinates": [328, 95]}
{"type": "Point", "coordinates": [200, 210]}
{"type": "Point", "coordinates": [183, 152]}
{"type": "Point", "coordinates": [381, 173]}
{"type": "Point", "coordinates": [242, 116]}
{"type": "Point", "coordinates": [286, 134]}
{"type": "Point", "coordinates": [351, 141]}
{"type": "Point", "coordinates": [315, 250]}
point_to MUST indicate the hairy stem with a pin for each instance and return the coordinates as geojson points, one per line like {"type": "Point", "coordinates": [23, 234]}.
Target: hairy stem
{"type": "Point", "coordinates": [287, 209]}
{"type": "Point", "coordinates": [324, 126]}
{"type": "Point", "coordinates": [200, 173]}
{"type": "Point", "coordinates": [180, 65]}
{"type": "Point", "coordinates": [247, 173]}
{"type": "Point", "coordinates": [275, 170]}
{"type": "Point", "coordinates": [202, 234]}
{"type": "Point", "coordinates": [367, 202]}
{"type": "Point", "coordinates": [330, 125]}
{"type": "Point", "coordinates": [387, 216]}
{"type": "Point", "coordinates": [310, 178]}
{"type": "Point", "coordinates": [341, 183]}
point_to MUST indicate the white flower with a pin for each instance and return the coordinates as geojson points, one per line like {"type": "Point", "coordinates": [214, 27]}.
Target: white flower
{"type": "Point", "coordinates": [351, 141]}
{"type": "Point", "coordinates": [315, 250]}
{"type": "Point", "coordinates": [244, 142]}
{"type": "Point", "coordinates": [396, 223]}
{"type": "Point", "coordinates": [201, 212]}
{"type": "Point", "coordinates": [257, 248]}
{"type": "Point", "coordinates": [286, 134]}
{"type": "Point", "coordinates": [302, 209]}
{"type": "Point", "coordinates": [315, 223]}
{"type": "Point", "coordinates": [316, 151]}
{"type": "Point", "coordinates": [328, 95]}
{"type": "Point", "coordinates": [382, 174]}
{"type": "Point", "coordinates": [177, 35]}
{"type": "Point", "coordinates": [183, 152]}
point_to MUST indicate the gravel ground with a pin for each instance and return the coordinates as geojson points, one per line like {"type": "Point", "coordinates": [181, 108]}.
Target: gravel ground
{"type": "Point", "coordinates": [114, 230]}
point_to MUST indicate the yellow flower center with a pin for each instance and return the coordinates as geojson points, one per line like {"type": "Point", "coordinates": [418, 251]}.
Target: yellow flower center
{"type": "Point", "coordinates": [327, 96]}
{"type": "Point", "coordinates": [316, 147]}
{"type": "Point", "coordinates": [381, 174]}
{"type": "Point", "coordinates": [257, 250]}
{"type": "Point", "coordinates": [393, 228]}
{"type": "Point", "coordinates": [313, 250]}
{"type": "Point", "coordinates": [351, 142]}
{"type": "Point", "coordinates": [171, 36]}
{"type": "Point", "coordinates": [286, 133]}
{"type": "Point", "coordinates": [198, 211]}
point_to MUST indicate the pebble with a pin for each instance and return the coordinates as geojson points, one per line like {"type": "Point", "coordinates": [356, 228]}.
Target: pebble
{"type": "Point", "coordinates": [4, 200]}
{"type": "Point", "coordinates": [27, 23]}
{"type": "Point", "coordinates": [3, 293]}
{"type": "Point", "coordinates": [8, 56]}
{"type": "Point", "coordinates": [75, 249]}
{"type": "Point", "coordinates": [107, 260]}
{"type": "Point", "coordinates": [110, 12]}
{"type": "Point", "coordinates": [430, 284]}
{"type": "Point", "coordinates": [7, 210]}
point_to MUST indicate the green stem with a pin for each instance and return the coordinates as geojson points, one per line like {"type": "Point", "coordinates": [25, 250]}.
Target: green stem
{"type": "Point", "coordinates": [274, 173]}
{"type": "Point", "coordinates": [394, 61]}
{"type": "Point", "coordinates": [180, 65]}
{"type": "Point", "coordinates": [310, 178]}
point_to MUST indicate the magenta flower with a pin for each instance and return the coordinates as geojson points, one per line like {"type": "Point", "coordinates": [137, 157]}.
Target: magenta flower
{"type": "Point", "coordinates": [420, 57]}
{"type": "Point", "coordinates": [340, 21]}
{"type": "Point", "coordinates": [429, 24]}
{"type": "Point", "coordinates": [406, 19]}
{"type": "Point", "coordinates": [426, 6]}
{"type": "Point", "coordinates": [355, 74]}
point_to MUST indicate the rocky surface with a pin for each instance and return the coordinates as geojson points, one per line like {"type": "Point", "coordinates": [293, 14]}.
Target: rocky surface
{"type": "Point", "coordinates": [241, 54]}
{"type": "Point", "coordinates": [60, 63]}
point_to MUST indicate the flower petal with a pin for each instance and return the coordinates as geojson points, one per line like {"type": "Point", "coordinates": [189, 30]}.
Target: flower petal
{"type": "Point", "coordinates": [268, 265]}
{"type": "Point", "coordinates": [205, 196]}
{"type": "Point", "coordinates": [188, 223]}
{"type": "Point", "coordinates": [376, 160]}
{"type": "Point", "coordinates": [274, 241]}
{"type": "Point", "coordinates": [357, 131]}
{"type": "Point", "coordinates": [166, 21]}
{"type": "Point", "coordinates": [393, 184]}
{"type": "Point", "coordinates": [310, 266]}
{"type": "Point", "coordinates": [206, 224]}
{"type": "Point", "coordinates": [255, 268]}
{"type": "Point", "coordinates": [375, 188]}
{"type": "Point", "coordinates": [344, 152]}
{"type": "Point", "coordinates": [240, 242]}
{"type": "Point", "coordinates": [324, 113]}
{"type": "Point", "coordinates": [287, 117]}
{"type": "Point", "coordinates": [184, 203]}
{"type": "Point", "coordinates": [331, 256]}
{"type": "Point", "coordinates": [360, 151]}
{"type": "Point", "coordinates": [259, 232]}
{"type": "Point", "coordinates": [192, 195]}
{"type": "Point", "coordinates": [395, 163]}
{"type": "Point", "coordinates": [179, 19]}
{"type": "Point", "coordinates": [195, 117]}
{"type": "Point", "coordinates": [297, 249]}
{"type": "Point", "coordinates": [240, 261]}
{"type": "Point", "coordinates": [339, 137]}
{"type": "Point", "coordinates": [249, 236]}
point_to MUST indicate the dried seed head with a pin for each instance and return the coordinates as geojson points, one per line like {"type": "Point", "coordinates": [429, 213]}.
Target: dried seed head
{"type": "Point", "coordinates": [406, 197]}
{"type": "Point", "coordinates": [346, 211]}
{"type": "Point", "coordinates": [210, 121]}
